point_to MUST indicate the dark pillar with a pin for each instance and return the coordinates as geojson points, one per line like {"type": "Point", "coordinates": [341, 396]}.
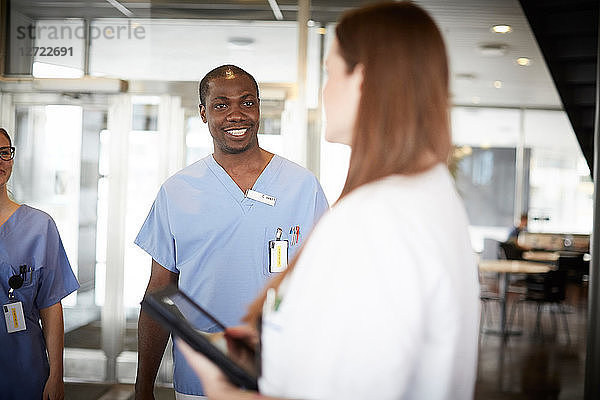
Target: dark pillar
{"type": "Point", "coordinates": [592, 362]}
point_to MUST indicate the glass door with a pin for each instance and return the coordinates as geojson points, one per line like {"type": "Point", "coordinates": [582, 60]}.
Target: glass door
{"type": "Point", "coordinates": [56, 170]}
{"type": "Point", "coordinates": [142, 146]}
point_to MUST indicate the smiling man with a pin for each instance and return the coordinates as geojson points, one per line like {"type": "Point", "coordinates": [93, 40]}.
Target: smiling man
{"type": "Point", "coordinates": [221, 227]}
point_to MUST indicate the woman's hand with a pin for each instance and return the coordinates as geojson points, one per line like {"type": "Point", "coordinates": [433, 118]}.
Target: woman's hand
{"type": "Point", "coordinates": [54, 389]}
{"type": "Point", "coordinates": [242, 342]}
{"type": "Point", "coordinates": [215, 383]}
{"type": "Point", "coordinates": [245, 333]}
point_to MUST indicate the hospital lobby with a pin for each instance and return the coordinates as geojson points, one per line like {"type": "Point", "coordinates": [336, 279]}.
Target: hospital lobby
{"type": "Point", "coordinates": [100, 98]}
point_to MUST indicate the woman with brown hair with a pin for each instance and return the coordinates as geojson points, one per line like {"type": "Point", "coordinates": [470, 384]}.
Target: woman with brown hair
{"type": "Point", "coordinates": [382, 302]}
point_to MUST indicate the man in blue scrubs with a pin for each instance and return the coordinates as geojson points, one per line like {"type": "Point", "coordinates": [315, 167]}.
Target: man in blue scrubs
{"type": "Point", "coordinates": [214, 226]}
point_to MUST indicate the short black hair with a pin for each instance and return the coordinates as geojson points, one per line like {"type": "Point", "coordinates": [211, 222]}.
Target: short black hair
{"type": "Point", "coordinates": [5, 133]}
{"type": "Point", "coordinates": [221, 72]}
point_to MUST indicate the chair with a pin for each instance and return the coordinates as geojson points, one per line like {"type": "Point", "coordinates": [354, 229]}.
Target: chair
{"type": "Point", "coordinates": [488, 287]}
{"type": "Point", "coordinates": [511, 251]}
{"type": "Point", "coordinates": [544, 289]}
{"type": "Point", "coordinates": [575, 265]}
{"type": "Point", "coordinates": [486, 296]}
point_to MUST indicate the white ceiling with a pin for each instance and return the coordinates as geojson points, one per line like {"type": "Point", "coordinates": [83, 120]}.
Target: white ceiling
{"type": "Point", "coordinates": [466, 25]}
{"type": "Point", "coordinates": [183, 50]}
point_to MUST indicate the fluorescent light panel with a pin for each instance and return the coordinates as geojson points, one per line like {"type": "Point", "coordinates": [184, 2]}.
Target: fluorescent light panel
{"type": "Point", "coordinates": [120, 7]}
{"type": "Point", "coordinates": [276, 10]}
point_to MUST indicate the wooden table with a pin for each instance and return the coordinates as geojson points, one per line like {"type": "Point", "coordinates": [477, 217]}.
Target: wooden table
{"type": "Point", "coordinates": [545, 256]}
{"type": "Point", "coordinates": [505, 268]}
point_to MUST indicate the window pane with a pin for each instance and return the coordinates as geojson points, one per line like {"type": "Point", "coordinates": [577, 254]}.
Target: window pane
{"type": "Point", "coordinates": [561, 187]}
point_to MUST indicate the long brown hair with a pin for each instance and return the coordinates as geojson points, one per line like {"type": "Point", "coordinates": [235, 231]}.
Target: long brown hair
{"type": "Point", "coordinates": [404, 105]}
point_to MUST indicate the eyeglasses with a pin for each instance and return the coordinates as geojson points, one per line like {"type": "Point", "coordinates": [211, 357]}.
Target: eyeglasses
{"type": "Point", "coordinates": [7, 153]}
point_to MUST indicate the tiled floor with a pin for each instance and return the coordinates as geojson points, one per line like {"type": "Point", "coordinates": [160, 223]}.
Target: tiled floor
{"type": "Point", "coordinates": [527, 366]}
{"type": "Point", "coordinates": [100, 391]}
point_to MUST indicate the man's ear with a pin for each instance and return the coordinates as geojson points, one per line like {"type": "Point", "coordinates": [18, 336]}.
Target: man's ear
{"type": "Point", "coordinates": [202, 111]}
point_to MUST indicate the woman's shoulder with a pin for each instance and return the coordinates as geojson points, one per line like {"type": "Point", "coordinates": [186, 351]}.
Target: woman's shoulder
{"type": "Point", "coordinates": [34, 215]}
{"type": "Point", "coordinates": [374, 198]}
{"type": "Point", "coordinates": [429, 187]}
{"type": "Point", "coordinates": [402, 207]}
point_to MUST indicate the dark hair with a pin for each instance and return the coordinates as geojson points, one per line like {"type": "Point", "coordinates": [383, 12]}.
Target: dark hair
{"type": "Point", "coordinates": [403, 110]}
{"type": "Point", "coordinates": [223, 71]}
{"type": "Point", "coordinates": [5, 133]}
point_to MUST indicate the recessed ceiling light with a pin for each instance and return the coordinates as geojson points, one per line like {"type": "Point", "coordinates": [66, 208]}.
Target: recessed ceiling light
{"type": "Point", "coordinates": [524, 61]}
{"type": "Point", "coordinates": [310, 23]}
{"type": "Point", "coordinates": [501, 29]}
{"type": "Point", "coordinates": [322, 31]}
{"type": "Point", "coordinates": [498, 84]}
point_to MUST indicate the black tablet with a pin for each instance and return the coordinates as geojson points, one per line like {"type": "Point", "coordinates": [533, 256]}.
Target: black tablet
{"type": "Point", "coordinates": [181, 315]}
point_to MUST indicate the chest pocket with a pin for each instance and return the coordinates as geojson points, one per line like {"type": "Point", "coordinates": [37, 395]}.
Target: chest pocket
{"type": "Point", "coordinates": [291, 233]}
{"type": "Point", "coordinates": [27, 293]}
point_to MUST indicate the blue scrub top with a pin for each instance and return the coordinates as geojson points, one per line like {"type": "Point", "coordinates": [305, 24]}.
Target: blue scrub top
{"type": "Point", "coordinates": [202, 227]}
{"type": "Point", "coordinates": [29, 237]}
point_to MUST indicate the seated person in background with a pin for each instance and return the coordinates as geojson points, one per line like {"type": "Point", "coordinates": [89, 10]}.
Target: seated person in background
{"type": "Point", "coordinates": [514, 234]}
{"type": "Point", "coordinates": [511, 247]}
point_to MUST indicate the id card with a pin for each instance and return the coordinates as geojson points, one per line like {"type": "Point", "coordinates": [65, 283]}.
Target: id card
{"type": "Point", "coordinates": [14, 317]}
{"type": "Point", "coordinates": [278, 255]}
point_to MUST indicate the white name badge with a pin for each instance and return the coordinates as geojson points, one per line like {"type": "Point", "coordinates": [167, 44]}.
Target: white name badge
{"type": "Point", "coordinates": [14, 318]}
{"type": "Point", "coordinates": [263, 198]}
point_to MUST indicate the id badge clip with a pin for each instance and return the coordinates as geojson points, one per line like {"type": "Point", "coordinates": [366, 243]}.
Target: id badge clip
{"type": "Point", "coordinates": [13, 311]}
{"type": "Point", "coordinates": [278, 253]}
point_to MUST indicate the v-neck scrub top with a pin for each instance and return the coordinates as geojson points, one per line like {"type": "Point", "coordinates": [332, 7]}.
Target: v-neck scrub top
{"type": "Point", "coordinates": [29, 237]}
{"type": "Point", "coordinates": [203, 227]}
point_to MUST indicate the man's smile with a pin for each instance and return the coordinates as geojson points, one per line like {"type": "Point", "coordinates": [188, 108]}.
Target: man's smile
{"type": "Point", "coordinates": [236, 132]}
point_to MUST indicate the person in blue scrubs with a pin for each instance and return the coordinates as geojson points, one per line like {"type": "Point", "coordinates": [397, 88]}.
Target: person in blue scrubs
{"type": "Point", "coordinates": [213, 224]}
{"type": "Point", "coordinates": [35, 275]}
